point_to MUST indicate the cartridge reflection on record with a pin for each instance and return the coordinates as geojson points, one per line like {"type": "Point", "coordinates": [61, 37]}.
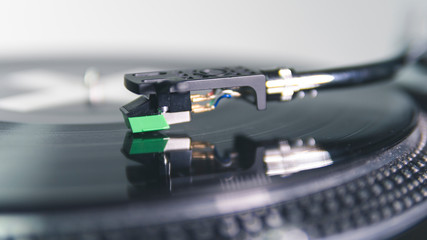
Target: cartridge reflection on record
{"type": "Point", "coordinates": [167, 163]}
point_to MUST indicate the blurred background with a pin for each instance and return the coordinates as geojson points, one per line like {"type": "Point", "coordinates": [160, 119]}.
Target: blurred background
{"type": "Point", "coordinates": [269, 33]}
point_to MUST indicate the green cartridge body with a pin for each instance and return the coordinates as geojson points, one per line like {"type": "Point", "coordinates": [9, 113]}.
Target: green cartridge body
{"type": "Point", "coordinates": [147, 123]}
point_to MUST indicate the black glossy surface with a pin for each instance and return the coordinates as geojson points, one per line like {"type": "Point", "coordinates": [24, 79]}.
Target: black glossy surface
{"type": "Point", "coordinates": [47, 165]}
{"type": "Point", "coordinates": [73, 180]}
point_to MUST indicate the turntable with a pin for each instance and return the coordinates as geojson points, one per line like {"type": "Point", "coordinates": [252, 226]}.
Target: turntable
{"type": "Point", "coordinates": [347, 164]}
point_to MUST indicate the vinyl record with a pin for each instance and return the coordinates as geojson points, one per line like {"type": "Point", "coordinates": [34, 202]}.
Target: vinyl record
{"type": "Point", "coordinates": [348, 163]}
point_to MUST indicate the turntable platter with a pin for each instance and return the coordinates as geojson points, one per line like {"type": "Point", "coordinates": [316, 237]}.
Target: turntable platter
{"type": "Point", "coordinates": [71, 154]}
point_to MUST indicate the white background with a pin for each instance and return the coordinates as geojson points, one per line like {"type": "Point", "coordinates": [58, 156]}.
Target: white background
{"type": "Point", "coordinates": [328, 32]}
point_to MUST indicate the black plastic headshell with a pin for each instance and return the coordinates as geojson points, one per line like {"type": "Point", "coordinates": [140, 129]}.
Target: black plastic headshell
{"type": "Point", "coordinates": [181, 81]}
